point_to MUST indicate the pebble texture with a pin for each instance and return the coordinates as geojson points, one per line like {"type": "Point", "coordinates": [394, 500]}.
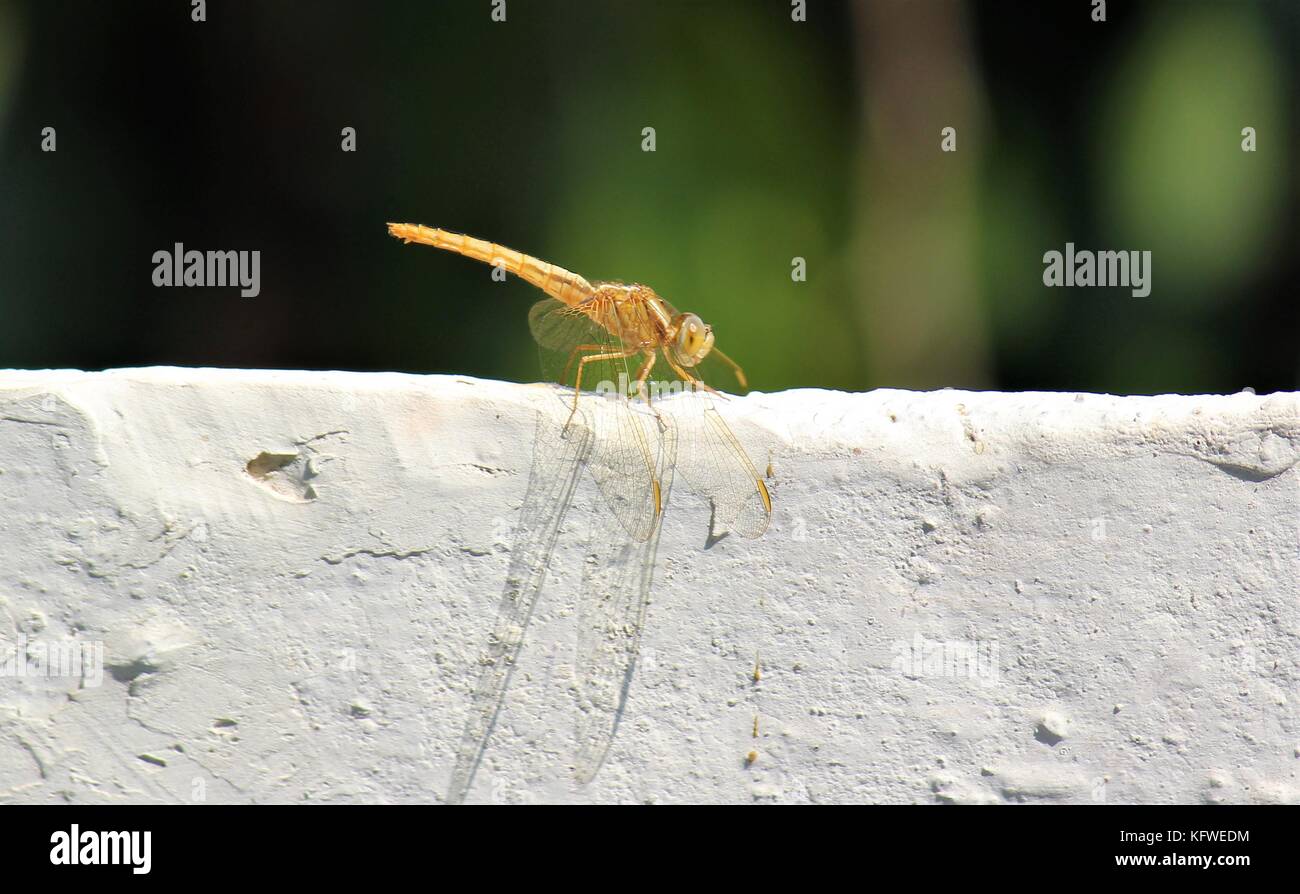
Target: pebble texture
{"type": "Point", "coordinates": [962, 597]}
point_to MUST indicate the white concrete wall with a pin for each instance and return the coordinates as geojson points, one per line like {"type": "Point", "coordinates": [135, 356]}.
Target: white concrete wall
{"type": "Point", "coordinates": [1125, 569]}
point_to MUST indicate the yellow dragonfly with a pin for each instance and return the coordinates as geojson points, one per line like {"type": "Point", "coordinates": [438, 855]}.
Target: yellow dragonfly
{"type": "Point", "coordinates": [604, 340]}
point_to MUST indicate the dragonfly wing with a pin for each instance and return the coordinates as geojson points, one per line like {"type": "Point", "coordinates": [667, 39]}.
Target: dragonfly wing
{"type": "Point", "coordinates": [558, 456]}
{"type": "Point", "coordinates": [620, 459]}
{"type": "Point", "coordinates": [611, 614]}
{"type": "Point", "coordinates": [717, 468]}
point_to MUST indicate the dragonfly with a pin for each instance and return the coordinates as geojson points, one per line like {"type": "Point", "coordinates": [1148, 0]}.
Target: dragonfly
{"type": "Point", "coordinates": [606, 340]}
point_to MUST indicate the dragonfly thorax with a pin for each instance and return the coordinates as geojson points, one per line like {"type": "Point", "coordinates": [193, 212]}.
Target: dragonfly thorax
{"type": "Point", "coordinates": [638, 316]}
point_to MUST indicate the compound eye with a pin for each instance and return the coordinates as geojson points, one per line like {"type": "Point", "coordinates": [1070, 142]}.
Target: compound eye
{"type": "Point", "coordinates": [690, 337]}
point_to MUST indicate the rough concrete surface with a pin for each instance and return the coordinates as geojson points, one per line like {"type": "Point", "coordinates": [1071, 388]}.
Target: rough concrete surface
{"type": "Point", "coordinates": [962, 597]}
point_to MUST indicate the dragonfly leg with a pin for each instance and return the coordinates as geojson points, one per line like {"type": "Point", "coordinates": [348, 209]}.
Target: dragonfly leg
{"type": "Point", "coordinates": [735, 367]}
{"type": "Point", "coordinates": [592, 358]}
{"type": "Point", "coordinates": [641, 375]}
{"type": "Point", "coordinates": [577, 349]}
{"type": "Point", "coordinates": [694, 382]}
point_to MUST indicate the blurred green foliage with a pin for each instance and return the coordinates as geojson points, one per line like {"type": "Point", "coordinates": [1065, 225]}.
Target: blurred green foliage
{"type": "Point", "coordinates": [225, 135]}
{"type": "Point", "coordinates": [1173, 174]}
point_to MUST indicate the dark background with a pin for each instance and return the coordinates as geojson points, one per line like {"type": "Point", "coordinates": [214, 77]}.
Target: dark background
{"type": "Point", "coordinates": [774, 140]}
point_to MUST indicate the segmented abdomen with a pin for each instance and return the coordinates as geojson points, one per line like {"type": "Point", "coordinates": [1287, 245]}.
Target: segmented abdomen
{"type": "Point", "coordinates": [562, 285]}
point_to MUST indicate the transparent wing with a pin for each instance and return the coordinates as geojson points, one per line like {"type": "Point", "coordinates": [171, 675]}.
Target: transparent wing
{"type": "Point", "coordinates": [558, 455]}
{"type": "Point", "coordinates": [620, 459]}
{"type": "Point", "coordinates": [711, 459]}
{"type": "Point", "coordinates": [715, 466]}
{"type": "Point", "coordinates": [611, 615]}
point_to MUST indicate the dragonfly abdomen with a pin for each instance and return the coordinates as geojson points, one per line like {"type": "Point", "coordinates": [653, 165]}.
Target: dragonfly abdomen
{"type": "Point", "coordinates": [562, 285]}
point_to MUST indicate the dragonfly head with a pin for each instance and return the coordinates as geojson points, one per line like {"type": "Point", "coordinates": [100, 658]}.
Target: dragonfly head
{"type": "Point", "coordinates": [693, 341]}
